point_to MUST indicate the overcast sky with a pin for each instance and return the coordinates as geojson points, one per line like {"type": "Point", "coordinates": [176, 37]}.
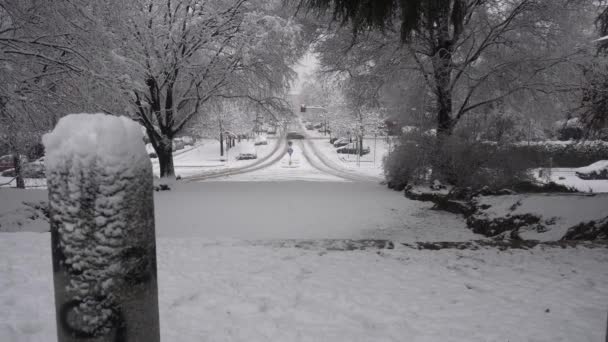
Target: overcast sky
{"type": "Point", "coordinates": [305, 69]}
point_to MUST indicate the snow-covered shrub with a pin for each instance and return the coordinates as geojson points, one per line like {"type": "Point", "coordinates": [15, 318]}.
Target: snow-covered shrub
{"type": "Point", "coordinates": [409, 162]}
{"type": "Point", "coordinates": [467, 163]}
{"type": "Point", "coordinates": [560, 153]}
{"type": "Point", "coordinates": [455, 161]}
{"type": "Point", "coordinates": [571, 129]}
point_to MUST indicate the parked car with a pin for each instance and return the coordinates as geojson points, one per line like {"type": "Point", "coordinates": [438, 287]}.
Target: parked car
{"type": "Point", "coordinates": [6, 162]}
{"type": "Point", "coordinates": [341, 142]}
{"type": "Point", "coordinates": [246, 151]}
{"type": "Point", "coordinates": [34, 169]}
{"type": "Point", "coordinates": [352, 148]}
{"type": "Point", "coordinates": [178, 145]}
{"type": "Point", "coordinates": [260, 140]}
{"type": "Point", "coordinates": [318, 125]}
{"type": "Point", "coordinates": [295, 135]}
{"type": "Point", "coordinates": [309, 126]}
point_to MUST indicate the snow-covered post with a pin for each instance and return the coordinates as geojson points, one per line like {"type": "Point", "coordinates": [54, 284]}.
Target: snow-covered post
{"type": "Point", "coordinates": [102, 230]}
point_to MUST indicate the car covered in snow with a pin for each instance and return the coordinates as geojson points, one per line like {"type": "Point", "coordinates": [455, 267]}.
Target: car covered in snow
{"type": "Point", "coordinates": [352, 148]}
{"type": "Point", "coordinates": [260, 140]}
{"type": "Point", "coordinates": [295, 135]}
{"type": "Point", "coordinates": [597, 170]}
{"type": "Point", "coordinates": [246, 150]}
{"type": "Point", "coordinates": [341, 142]}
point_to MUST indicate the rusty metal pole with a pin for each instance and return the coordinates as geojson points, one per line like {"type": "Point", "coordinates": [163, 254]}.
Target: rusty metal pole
{"type": "Point", "coordinates": [102, 230]}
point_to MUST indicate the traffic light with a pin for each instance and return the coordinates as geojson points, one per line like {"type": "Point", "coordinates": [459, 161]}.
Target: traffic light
{"type": "Point", "coordinates": [302, 108]}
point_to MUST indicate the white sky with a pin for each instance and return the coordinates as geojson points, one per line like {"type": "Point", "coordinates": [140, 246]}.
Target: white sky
{"type": "Point", "coordinates": [305, 69]}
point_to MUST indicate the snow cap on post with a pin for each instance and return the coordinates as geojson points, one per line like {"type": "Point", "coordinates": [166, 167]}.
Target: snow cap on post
{"type": "Point", "coordinates": [101, 209]}
{"type": "Point", "coordinates": [96, 138]}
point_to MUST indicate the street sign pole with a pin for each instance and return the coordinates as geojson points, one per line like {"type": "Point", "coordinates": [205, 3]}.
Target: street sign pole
{"type": "Point", "coordinates": [289, 151]}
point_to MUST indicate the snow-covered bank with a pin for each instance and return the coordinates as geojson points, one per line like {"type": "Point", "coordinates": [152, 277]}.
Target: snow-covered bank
{"type": "Point", "coordinates": [230, 290]}
{"type": "Point", "coordinates": [545, 217]}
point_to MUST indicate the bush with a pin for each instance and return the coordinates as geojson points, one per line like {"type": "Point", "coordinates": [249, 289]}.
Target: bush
{"type": "Point", "coordinates": [568, 154]}
{"type": "Point", "coordinates": [409, 162]}
{"type": "Point", "coordinates": [455, 161]}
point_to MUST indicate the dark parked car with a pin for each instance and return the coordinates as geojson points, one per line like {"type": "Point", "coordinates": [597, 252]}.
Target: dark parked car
{"type": "Point", "coordinates": [6, 162]}
{"type": "Point", "coordinates": [340, 142]}
{"type": "Point", "coordinates": [295, 135]}
{"type": "Point", "coordinates": [352, 149]}
{"type": "Point", "coordinates": [309, 126]}
{"type": "Point", "coordinates": [34, 169]}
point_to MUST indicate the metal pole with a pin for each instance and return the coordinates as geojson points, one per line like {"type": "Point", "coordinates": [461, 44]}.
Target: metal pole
{"type": "Point", "coordinates": [102, 231]}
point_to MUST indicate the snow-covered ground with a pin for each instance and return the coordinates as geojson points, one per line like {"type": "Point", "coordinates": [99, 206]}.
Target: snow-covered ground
{"type": "Point", "coordinates": [205, 157]}
{"type": "Point", "coordinates": [568, 177]}
{"type": "Point", "coordinates": [369, 164]}
{"type": "Point", "coordinates": [9, 182]}
{"type": "Point", "coordinates": [276, 210]}
{"type": "Point", "coordinates": [15, 216]}
{"type": "Point", "coordinates": [227, 273]}
{"type": "Point", "coordinates": [298, 170]}
{"type": "Point", "coordinates": [229, 290]}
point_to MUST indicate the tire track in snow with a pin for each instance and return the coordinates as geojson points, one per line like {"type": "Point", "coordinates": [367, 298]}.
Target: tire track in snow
{"type": "Point", "coordinates": [322, 164]}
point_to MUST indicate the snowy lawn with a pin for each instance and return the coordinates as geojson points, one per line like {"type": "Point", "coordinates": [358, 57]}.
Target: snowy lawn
{"type": "Point", "coordinates": [276, 210]}
{"type": "Point", "coordinates": [369, 164]}
{"type": "Point", "coordinates": [301, 210]}
{"type": "Point", "coordinates": [15, 216]}
{"type": "Point", "coordinates": [9, 182]}
{"type": "Point", "coordinates": [568, 177]}
{"type": "Point", "coordinates": [231, 290]}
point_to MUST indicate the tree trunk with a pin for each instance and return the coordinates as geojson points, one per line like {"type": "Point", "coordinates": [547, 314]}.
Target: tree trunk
{"type": "Point", "coordinates": [165, 159]}
{"type": "Point", "coordinates": [18, 171]}
{"type": "Point", "coordinates": [221, 144]}
{"type": "Point", "coordinates": [360, 145]}
{"type": "Point", "coordinates": [443, 77]}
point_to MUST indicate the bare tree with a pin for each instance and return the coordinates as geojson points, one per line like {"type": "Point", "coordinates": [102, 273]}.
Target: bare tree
{"type": "Point", "coordinates": [173, 57]}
